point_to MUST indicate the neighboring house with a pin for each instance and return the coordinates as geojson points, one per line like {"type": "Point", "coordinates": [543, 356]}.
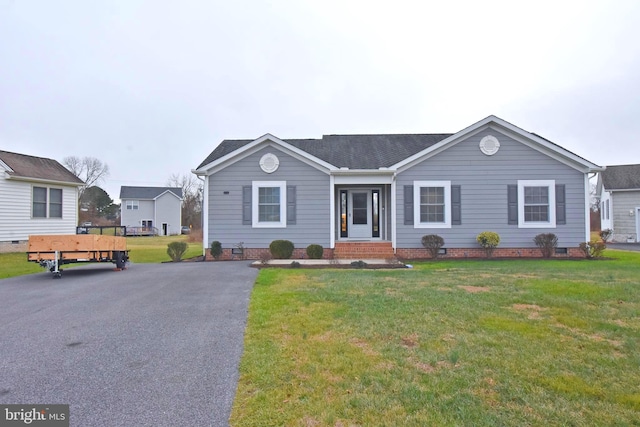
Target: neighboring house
{"type": "Point", "coordinates": [151, 208]}
{"type": "Point", "coordinates": [37, 196]}
{"type": "Point", "coordinates": [364, 196]}
{"type": "Point", "coordinates": [618, 190]}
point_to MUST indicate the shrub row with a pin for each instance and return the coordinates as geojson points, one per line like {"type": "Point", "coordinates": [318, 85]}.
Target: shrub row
{"type": "Point", "coordinates": [546, 242]}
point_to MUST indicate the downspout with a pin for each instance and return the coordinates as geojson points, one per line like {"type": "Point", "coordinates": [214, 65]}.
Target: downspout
{"type": "Point", "coordinates": [588, 206]}
{"type": "Point", "coordinates": [203, 207]}
{"type": "Point", "coordinates": [393, 212]}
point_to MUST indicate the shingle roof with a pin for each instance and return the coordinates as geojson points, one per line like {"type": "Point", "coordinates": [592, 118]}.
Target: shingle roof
{"type": "Point", "coordinates": [147, 193]}
{"type": "Point", "coordinates": [350, 151]}
{"type": "Point", "coordinates": [24, 166]}
{"type": "Point", "coordinates": [621, 177]}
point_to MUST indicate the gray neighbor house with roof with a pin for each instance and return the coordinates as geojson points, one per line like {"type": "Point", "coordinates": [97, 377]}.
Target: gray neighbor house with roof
{"type": "Point", "coordinates": [618, 189]}
{"type": "Point", "coordinates": [37, 196]}
{"type": "Point", "coordinates": [151, 210]}
{"type": "Point", "coordinates": [375, 196]}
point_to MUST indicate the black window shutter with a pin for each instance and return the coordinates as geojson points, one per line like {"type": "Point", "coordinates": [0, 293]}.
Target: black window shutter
{"type": "Point", "coordinates": [291, 204]}
{"type": "Point", "coordinates": [456, 205]}
{"type": "Point", "coordinates": [561, 211]}
{"type": "Point", "coordinates": [246, 205]}
{"type": "Point", "coordinates": [512, 200]}
{"type": "Point", "coordinates": [408, 205]}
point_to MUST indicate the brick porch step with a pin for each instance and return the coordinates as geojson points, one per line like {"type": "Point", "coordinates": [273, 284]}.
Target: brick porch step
{"type": "Point", "coordinates": [363, 250]}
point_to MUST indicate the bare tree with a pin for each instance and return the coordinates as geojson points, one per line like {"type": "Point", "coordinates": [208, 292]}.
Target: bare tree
{"type": "Point", "coordinates": [89, 169]}
{"type": "Point", "coordinates": [191, 197]}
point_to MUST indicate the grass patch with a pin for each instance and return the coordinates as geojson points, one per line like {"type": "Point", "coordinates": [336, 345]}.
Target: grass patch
{"type": "Point", "coordinates": [518, 342]}
{"type": "Point", "coordinates": [142, 250]}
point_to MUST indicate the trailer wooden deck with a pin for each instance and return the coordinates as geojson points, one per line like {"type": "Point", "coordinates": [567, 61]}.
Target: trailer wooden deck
{"type": "Point", "coordinates": [52, 251]}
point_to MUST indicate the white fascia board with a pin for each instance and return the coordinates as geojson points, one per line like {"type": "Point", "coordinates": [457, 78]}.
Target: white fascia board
{"type": "Point", "coordinates": [520, 135]}
{"type": "Point", "coordinates": [46, 181]}
{"type": "Point", "coordinates": [363, 176]}
{"type": "Point", "coordinates": [5, 166]}
{"type": "Point", "coordinates": [621, 190]}
{"type": "Point", "coordinates": [256, 145]}
{"type": "Point", "coordinates": [165, 192]}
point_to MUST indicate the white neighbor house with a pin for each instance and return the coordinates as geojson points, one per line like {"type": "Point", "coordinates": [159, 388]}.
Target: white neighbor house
{"type": "Point", "coordinates": [37, 196]}
{"type": "Point", "coordinates": [152, 207]}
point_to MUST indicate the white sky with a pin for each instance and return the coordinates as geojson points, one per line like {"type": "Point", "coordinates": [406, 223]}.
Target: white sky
{"type": "Point", "coordinates": [151, 87]}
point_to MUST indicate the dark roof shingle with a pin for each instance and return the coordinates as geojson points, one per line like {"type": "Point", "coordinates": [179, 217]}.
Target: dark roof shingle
{"type": "Point", "coordinates": [24, 166]}
{"type": "Point", "coordinates": [621, 177]}
{"type": "Point", "coordinates": [147, 193]}
{"type": "Point", "coordinates": [349, 151]}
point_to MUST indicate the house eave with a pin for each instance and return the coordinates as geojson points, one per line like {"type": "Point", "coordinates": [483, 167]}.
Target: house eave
{"type": "Point", "coordinates": [256, 145]}
{"type": "Point", "coordinates": [44, 181]}
{"type": "Point", "coordinates": [527, 138]}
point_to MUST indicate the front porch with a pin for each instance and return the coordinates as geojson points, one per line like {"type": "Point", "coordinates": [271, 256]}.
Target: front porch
{"type": "Point", "coordinates": [363, 250]}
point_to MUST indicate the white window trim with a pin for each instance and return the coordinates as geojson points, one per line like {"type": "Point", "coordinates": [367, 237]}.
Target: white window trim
{"type": "Point", "coordinates": [417, 185]}
{"type": "Point", "coordinates": [132, 205]}
{"type": "Point", "coordinates": [256, 185]}
{"type": "Point", "coordinates": [551, 185]}
{"type": "Point", "coordinates": [48, 203]}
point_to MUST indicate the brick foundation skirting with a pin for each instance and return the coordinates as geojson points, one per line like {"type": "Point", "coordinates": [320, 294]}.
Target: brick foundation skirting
{"type": "Point", "coordinates": [409, 253]}
{"type": "Point", "coordinates": [19, 246]}
{"type": "Point", "coordinates": [421, 253]}
{"type": "Point", "coordinates": [256, 254]}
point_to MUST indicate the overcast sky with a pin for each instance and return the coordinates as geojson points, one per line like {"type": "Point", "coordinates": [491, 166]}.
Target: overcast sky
{"type": "Point", "coordinates": [151, 87]}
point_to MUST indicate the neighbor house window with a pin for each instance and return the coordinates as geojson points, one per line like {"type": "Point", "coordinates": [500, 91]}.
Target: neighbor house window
{"type": "Point", "coordinates": [270, 203]}
{"type": "Point", "coordinates": [47, 202]}
{"type": "Point", "coordinates": [432, 207]}
{"type": "Point", "coordinates": [536, 204]}
{"type": "Point", "coordinates": [132, 205]}
{"type": "Point", "coordinates": [55, 203]}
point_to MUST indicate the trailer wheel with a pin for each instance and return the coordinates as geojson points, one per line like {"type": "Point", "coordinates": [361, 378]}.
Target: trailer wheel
{"type": "Point", "coordinates": [120, 260]}
{"type": "Point", "coordinates": [57, 275]}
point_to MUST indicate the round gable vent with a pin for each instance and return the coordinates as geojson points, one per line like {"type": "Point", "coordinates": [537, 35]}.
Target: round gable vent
{"type": "Point", "coordinates": [489, 145]}
{"type": "Point", "coordinates": [269, 163]}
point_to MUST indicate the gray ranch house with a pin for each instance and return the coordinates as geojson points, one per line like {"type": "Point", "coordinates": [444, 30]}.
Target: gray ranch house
{"type": "Point", "coordinates": [375, 196]}
{"type": "Point", "coordinates": [37, 196]}
{"type": "Point", "coordinates": [151, 210]}
{"type": "Point", "coordinates": [618, 190]}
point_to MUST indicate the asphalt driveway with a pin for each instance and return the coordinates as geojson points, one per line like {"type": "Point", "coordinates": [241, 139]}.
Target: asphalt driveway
{"type": "Point", "coordinates": [155, 345]}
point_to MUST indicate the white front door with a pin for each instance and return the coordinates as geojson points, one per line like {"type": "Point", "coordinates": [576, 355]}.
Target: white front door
{"type": "Point", "coordinates": [359, 216]}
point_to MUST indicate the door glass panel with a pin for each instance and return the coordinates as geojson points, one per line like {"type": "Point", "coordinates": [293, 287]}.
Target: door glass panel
{"type": "Point", "coordinates": [360, 208]}
{"type": "Point", "coordinates": [343, 213]}
{"type": "Point", "coordinates": [376, 212]}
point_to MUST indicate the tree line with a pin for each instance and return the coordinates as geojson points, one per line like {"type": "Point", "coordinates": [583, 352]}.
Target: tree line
{"type": "Point", "coordinates": [96, 206]}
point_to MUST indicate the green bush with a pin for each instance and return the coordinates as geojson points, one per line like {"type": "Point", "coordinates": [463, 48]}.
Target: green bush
{"type": "Point", "coordinates": [295, 264]}
{"type": "Point", "coordinates": [315, 251]}
{"type": "Point", "coordinates": [176, 249]}
{"type": "Point", "coordinates": [433, 243]}
{"type": "Point", "coordinates": [547, 243]}
{"type": "Point", "coordinates": [593, 249]}
{"type": "Point", "coordinates": [216, 249]}
{"type": "Point", "coordinates": [489, 240]}
{"type": "Point", "coordinates": [281, 249]}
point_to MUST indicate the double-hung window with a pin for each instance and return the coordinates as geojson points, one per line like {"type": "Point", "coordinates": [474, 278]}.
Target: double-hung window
{"type": "Point", "coordinates": [432, 204]}
{"type": "Point", "coordinates": [536, 204]}
{"type": "Point", "coordinates": [269, 204]}
{"type": "Point", "coordinates": [132, 205]}
{"type": "Point", "coordinates": [46, 202]}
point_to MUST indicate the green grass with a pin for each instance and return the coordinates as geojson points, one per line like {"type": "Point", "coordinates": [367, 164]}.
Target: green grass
{"type": "Point", "coordinates": [142, 250]}
{"type": "Point", "coordinates": [518, 342]}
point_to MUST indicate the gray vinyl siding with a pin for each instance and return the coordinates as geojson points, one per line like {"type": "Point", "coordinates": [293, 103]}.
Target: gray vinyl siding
{"type": "Point", "coordinates": [168, 210]}
{"type": "Point", "coordinates": [134, 217]}
{"type": "Point", "coordinates": [483, 180]}
{"type": "Point", "coordinates": [624, 225]}
{"type": "Point", "coordinates": [312, 203]}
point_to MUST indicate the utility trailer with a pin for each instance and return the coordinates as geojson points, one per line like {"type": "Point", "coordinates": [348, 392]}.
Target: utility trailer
{"type": "Point", "coordinates": [53, 251]}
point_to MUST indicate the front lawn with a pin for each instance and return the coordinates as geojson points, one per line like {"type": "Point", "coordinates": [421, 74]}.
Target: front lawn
{"type": "Point", "coordinates": [530, 342]}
